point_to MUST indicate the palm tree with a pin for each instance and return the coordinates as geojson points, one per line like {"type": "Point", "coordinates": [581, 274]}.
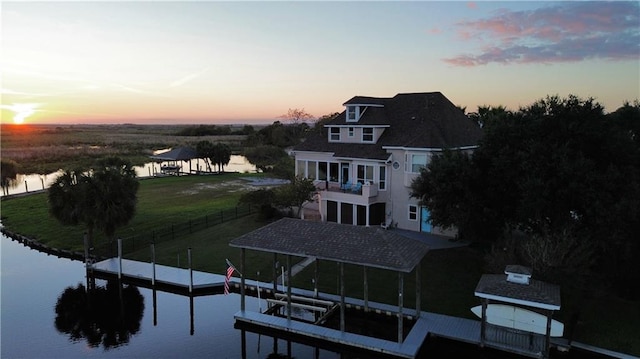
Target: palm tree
{"type": "Point", "coordinates": [103, 198]}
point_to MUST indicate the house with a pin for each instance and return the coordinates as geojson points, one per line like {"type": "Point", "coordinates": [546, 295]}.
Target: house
{"type": "Point", "coordinates": [365, 161]}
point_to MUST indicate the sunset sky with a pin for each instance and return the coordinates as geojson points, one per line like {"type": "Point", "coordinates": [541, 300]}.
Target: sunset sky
{"type": "Point", "coordinates": [249, 62]}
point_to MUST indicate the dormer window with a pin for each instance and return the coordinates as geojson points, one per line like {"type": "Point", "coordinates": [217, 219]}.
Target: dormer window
{"type": "Point", "coordinates": [352, 115]}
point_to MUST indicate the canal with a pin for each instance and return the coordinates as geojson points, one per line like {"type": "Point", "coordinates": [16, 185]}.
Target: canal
{"type": "Point", "coordinates": [46, 314]}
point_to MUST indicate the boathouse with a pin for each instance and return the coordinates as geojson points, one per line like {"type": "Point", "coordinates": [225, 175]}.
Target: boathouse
{"type": "Point", "coordinates": [517, 312]}
{"type": "Point", "coordinates": [343, 244]}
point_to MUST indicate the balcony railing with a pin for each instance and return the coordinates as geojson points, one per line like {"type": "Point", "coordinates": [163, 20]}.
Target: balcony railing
{"type": "Point", "coordinates": [338, 191]}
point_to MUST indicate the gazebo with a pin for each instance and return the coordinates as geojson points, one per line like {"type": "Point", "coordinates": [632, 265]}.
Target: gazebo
{"type": "Point", "coordinates": [369, 247]}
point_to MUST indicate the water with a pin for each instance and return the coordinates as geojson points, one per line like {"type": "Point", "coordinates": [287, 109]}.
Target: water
{"type": "Point", "coordinates": [35, 182]}
{"type": "Point", "coordinates": [32, 284]}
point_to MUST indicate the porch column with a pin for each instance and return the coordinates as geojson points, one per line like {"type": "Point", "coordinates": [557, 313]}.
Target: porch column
{"type": "Point", "coordinates": [242, 257]}
{"type": "Point", "coordinates": [483, 323]}
{"type": "Point", "coordinates": [366, 289]}
{"type": "Point", "coordinates": [275, 272]}
{"type": "Point", "coordinates": [288, 287]}
{"type": "Point", "coordinates": [418, 288]}
{"type": "Point", "coordinates": [400, 302]}
{"type": "Point", "coordinates": [366, 221]}
{"type": "Point", "coordinates": [316, 272]}
{"type": "Point", "coordinates": [342, 325]}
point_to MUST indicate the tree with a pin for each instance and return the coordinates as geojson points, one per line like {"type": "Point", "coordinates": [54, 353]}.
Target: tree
{"type": "Point", "coordinates": [264, 199]}
{"type": "Point", "coordinates": [487, 114]}
{"type": "Point", "coordinates": [323, 120]}
{"type": "Point", "coordinates": [296, 115]}
{"type": "Point", "coordinates": [295, 194]}
{"type": "Point", "coordinates": [558, 169]}
{"type": "Point", "coordinates": [205, 150]}
{"type": "Point", "coordinates": [265, 157]}
{"type": "Point", "coordinates": [102, 198]}
{"type": "Point", "coordinates": [9, 173]}
{"type": "Point", "coordinates": [221, 155]}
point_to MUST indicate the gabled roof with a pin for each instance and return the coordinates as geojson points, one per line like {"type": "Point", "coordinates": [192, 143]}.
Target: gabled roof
{"type": "Point", "coordinates": [537, 294]}
{"type": "Point", "coordinates": [367, 246]}
{"type": "Point", "coordinates": [365, 100]}
{"type": "Point", "coordinates": [415, 120]}
{"type": "Point", "coordinates": [177, 154]}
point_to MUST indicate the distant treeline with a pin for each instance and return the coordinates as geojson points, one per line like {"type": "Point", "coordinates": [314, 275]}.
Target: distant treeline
{"type": "Point", "coordinates": [213, 130]}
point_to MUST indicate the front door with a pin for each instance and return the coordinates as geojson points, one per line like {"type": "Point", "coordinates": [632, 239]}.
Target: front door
{"type": "Point", "coordinates": [425, 224]}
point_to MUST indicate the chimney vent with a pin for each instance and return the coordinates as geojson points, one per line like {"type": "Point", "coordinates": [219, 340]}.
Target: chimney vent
{"type": "Point", "coordinates": [518, 274]}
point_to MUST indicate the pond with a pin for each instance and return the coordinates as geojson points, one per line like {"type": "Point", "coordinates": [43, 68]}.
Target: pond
{"type": "Point", "coordinates": [35, 182]}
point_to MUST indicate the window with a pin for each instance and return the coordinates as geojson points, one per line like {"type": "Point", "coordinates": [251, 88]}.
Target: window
{"type": "Point", "coordinates": [333, 172]}
{"type": "Point", "coordinates": [351, 114]}
{"type": "Point", "coordinates": [311, 170]}
{"type": "Point", "coordinates": [413, 212]}
{"type": "Point", "coordinates": [367, 134]}
{"type": "Point", "coordinates": [351, 132]}
{"type": "Point", "coordinates": [334, 134]}
{"type": "Point", "coordinates": [415, 162]}
{"type": "Point", "coordinates": [382, 183]}
{"type": "Point", "coordinates": [322, 171]}
{"type": "Point", "coordinates": [301, 168]}
{"type": "Point", "coordinates": [365, 173]}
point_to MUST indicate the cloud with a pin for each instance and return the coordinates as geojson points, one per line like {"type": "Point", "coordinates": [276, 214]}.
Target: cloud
{"type": "Point", "coordinates": [568, 32]}
{"type": "Point", "coordinates": [187, 78]}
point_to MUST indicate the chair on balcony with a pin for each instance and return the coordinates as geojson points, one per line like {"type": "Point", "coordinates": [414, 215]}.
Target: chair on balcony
{"type": "Point", "coordinates": [346, 186]}
{"type": "Point", "coordinates": [356, 188]}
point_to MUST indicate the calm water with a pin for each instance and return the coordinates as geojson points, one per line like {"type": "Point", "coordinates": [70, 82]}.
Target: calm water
{"type": "Point", "coordinates": [34, 182]}
{"type": "Point", "coordinates": [34, 284]}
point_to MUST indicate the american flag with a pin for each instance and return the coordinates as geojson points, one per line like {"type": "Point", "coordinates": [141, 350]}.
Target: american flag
{"type": "Point", "coordinates": [230, 269]}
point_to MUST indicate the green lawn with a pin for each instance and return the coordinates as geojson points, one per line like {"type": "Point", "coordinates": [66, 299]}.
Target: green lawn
{"type": "Point", "coordinates": [448, 276]}
{"type": "Point", "coordinates": [162, 202]}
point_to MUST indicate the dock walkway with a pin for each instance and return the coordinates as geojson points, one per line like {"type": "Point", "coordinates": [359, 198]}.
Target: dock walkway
{"type": "Point", "coordinates": [196, 283]}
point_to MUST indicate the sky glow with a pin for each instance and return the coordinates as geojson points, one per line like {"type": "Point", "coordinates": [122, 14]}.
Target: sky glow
{"type": "Point", "coordinates": [249, 62]}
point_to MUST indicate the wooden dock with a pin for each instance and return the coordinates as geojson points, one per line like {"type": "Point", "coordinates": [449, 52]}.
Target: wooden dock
{"type": "Point", "coordinates": [195, 283]}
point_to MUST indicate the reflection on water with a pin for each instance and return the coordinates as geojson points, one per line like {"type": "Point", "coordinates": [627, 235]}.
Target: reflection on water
{"type": "Point", "coordinates": [35, 182]}
{"type": "Point", "coordinates": [106, 316]}
{"type": "Point", "coordinates": [36, 292]}
{"type": "Point", "coordinates": [33, 287]}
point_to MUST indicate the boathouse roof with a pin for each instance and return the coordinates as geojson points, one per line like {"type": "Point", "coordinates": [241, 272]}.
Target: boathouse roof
{"type": "Point", "coordinates": [367, 246]}
{"type": "Point", "coordinates": [177, 154]}
{"type": "Point", "coordinates": [537, 294]}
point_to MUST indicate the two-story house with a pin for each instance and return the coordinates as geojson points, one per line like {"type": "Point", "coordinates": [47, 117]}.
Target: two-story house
{"type": "Point", "coordinates": [365, 161]}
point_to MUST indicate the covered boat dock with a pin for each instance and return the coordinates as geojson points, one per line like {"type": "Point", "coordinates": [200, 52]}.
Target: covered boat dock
{"type": "Point", "coordinates": [344, 244]}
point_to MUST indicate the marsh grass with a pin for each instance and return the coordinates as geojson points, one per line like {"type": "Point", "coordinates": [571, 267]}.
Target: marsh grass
{"type": "Point", "coordinates": [42, 149]}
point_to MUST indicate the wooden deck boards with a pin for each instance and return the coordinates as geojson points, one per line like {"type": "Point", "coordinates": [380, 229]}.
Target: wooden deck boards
{"type": "Point", "coordinates": [460, 329]}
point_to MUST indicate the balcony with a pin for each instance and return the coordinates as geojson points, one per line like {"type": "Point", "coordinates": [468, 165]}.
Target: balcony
{"type": "Point", "coordinates": [333, 191]}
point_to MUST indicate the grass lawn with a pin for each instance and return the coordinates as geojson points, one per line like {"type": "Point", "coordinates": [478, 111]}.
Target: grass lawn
{"type": "Point", "coordinates": [161, 203]}
{"type": "Point", "coordinates": [448, 277]}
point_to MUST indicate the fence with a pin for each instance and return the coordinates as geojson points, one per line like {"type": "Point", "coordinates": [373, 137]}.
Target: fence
{"type": "Point", "coordinates": [173, 231]}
